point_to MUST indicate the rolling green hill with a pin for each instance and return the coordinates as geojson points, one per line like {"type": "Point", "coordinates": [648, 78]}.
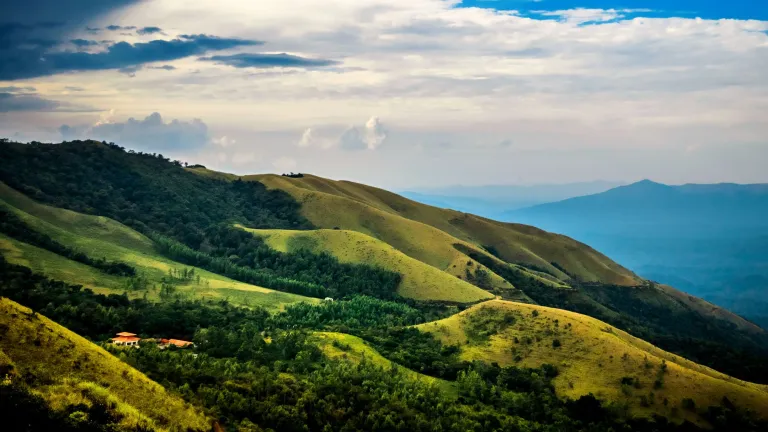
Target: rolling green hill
{"type": "Point", "coordinates": [72, 374]}
{"type": "Point", "coordinates": [420, 281]}
{"type": "Point", "coordinates": [593, 357]}
{"type": "Point", "coordinates": [103, 237]}
{"type": "Point", "coordinates": [428, 233]}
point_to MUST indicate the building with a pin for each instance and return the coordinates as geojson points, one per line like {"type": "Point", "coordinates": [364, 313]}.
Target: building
{"type": "Point", "coordinates": [126, 339]}
{"type": "Point", "coordinates": [165, 343]}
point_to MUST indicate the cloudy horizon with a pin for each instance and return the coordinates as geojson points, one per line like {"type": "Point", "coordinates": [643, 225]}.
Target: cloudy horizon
{"type": "Point", "coordinates": [417, 93]}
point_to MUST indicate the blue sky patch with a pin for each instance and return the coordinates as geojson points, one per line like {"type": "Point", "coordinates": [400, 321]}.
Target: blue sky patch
{"type": "Point", "coordinates": [707, 9]}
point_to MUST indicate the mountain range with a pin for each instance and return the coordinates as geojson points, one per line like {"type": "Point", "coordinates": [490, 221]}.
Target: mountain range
{"type": "Point", "coordinates": [710, 240]}
{"type": "Point", "coordinates": [493, 201]}
{"type": "Point", "coordinates": [317, 304]}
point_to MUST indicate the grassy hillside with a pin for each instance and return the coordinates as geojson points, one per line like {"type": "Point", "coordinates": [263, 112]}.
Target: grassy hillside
{"type": "Point", "coordinates": [593, 357]}
{"type": "Point", "coordinates": [103, 237]}
{"type": "Point", "coordinates": [352, 348]}
{"type": "Point", "coordinates": [427, 233]}
{"type": "Point", "coordinates": [420, 281]}
{"type": "Point", "coordinates": [67, 370]}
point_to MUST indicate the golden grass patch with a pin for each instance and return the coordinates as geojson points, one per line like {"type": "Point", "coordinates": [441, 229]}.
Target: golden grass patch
{"type": "Point", "coordinates": [594, 357]}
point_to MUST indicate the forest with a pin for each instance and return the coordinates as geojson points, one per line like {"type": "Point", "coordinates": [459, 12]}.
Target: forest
{"type": "Point", "coordinates": [250, 368]}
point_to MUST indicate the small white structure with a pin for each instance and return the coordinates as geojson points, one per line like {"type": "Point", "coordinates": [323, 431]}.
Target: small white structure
{"type": "Point", "coordinates": [328, 299]}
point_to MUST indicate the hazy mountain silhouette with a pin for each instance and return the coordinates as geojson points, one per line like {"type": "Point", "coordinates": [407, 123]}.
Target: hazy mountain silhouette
{"type": "Point", "coordinates": [494, 201]}
{"type": "Point", "coordinates": [708, 239]}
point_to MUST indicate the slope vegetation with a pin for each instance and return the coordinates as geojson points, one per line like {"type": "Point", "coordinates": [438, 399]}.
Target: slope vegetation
{"type": "Point", "coordinates": [67, 370]}
{"type": "Point", "coordinates": [593, 357]}
{"type": "Point", "coordinates": [419, 281]}
{"type": "Point", "coordinates": [352, 348]}
{"type": "Point", "coordinates": [102, 237]}
{"type": "Point", "coordinates": [428, 233]}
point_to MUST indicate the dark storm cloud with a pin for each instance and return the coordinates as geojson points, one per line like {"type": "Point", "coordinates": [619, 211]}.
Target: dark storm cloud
{"type": "Point", "coordinates": [269, 60]}
{"type": "Point", "coordinates": [19, 62]}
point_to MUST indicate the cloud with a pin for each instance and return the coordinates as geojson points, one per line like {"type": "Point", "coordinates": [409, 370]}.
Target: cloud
{"type": "Point", "coordinates": [163, 67]}
{"type": "Point", "coordinates": [114, 27]}
{"type": "Point", "coordinates": [370, 137]}
{"type": "Point", "coordinates": [130, 70]}
{"type": "Point", "coordinates": [223, 141]}
{"type": "Point", "coordinates": [150, 134]}
{"type": "Point", "coordinates": [20, 62]}
{"type": "Point", "coordinates": [83, 43]}
{"type": "Point", "coordinates": [17, 99]}
{"type": "Point", "coordinates": [307, 138]}
{"type": "Point", "coordinates": [16, 89]}
{"type": "Point", "coordinates": [247, 60]}
{"type": "Point", "coordinates": [149, 30]}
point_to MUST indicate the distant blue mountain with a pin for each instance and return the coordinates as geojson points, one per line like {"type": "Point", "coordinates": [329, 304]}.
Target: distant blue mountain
{"type": "Point", "coordinates": [494, 201]}
{"type": "Point", "coordinates": [708, 239]}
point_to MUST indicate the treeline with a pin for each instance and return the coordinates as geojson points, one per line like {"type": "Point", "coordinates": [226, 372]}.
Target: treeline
{"type": "Point", "coordinates": [13, 226]}
{"type": "Point", "coordinates": [224, 266]}
{"type": "Point", "coordinates": [705, 340]}
{"type": "Point", "coordinates": [247, 250]}
{"type": "Point", "coordinates": [191, 216]}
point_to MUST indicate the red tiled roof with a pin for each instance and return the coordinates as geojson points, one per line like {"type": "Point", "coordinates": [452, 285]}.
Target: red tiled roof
{"type": "Point", "coordinates": [178, 342]}
{"type": "Point", "coordinates": [126, 339]}
{"type": "Point", "coordinates": [126, 334]}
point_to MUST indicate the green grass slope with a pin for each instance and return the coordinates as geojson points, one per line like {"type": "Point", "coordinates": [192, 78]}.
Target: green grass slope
{"type": "Point", "coordinates": [593, 357]}
{"type": "Point", "coordinates": [428, 233]}
{"type": "Point", "coordinates": [352, 348]}
{"type": "Point", "coordinates": [67, 370]}
{"type": "Point", "coordinates": [420, 281]}
{"type": "Point", "coordinates": [102, 237]}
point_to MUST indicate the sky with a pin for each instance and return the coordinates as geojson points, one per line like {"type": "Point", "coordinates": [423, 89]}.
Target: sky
{"type": "Point", "coordinates": [401, 93]}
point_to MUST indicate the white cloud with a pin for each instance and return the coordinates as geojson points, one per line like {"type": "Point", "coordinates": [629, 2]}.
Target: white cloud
{"type": "Point", "coordinates": [151, 134]}
{"type": "Point", "coordinates": [223, 141]}
{"type": "Point", "coordinates": [370, 136]}
{"type": "Point", "coordinates": [375, 134]}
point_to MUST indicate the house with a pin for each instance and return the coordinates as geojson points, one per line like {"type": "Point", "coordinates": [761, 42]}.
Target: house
{"type": "Point", "coordinates": [165, 343]}
{"type": "Point", "coordinates": [328, 299]}
{"type": "Point", "coordinates": [126, 339]}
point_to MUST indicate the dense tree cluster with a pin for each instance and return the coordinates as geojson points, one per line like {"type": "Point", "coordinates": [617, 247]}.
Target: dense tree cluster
{"type": "Point", "coordinates": [13, 226]}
